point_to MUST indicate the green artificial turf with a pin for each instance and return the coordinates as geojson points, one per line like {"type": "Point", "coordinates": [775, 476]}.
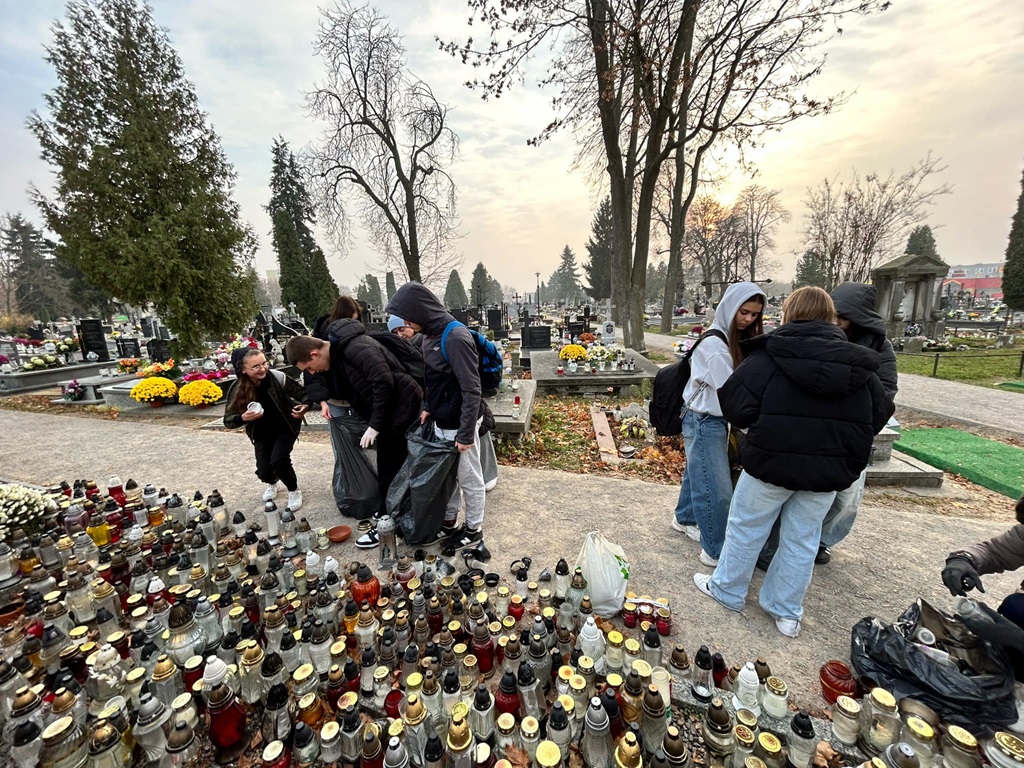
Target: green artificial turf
{"type": "Point", "coordinates": [993, 465]}
{"type": "Point", "coordinates": [1012, 386]}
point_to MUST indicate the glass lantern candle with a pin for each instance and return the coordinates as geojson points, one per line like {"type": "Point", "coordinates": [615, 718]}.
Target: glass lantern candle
{"type": "Point", "coordinates": [186, 637]}
{"type": "Point", "coordinates": [289, 544]}
{"type": "Point", "coordinates": [166, 682]}
{"type": "Point", "coordinates": [227, 719]}
{"type": "Point", "coordinates": [880, 723]}
{"type": "Point", "coordinates": [149, 730]}
{"type": "Point", "coordinates": [182, 746]}
{"type": "Point", "coordinates": [846, 721]}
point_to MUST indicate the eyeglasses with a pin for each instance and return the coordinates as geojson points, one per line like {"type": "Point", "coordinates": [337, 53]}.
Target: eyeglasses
{"type": "Point", "coordinates": [259, 367]}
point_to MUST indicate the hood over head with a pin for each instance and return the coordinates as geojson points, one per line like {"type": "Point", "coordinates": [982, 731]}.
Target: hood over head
{"type": "Point", "coordinates": [735, 296]}
{"type": "Point", "coordinates": [237, 356]}
{"type": "Point", "coordinates": [819, 359]}
{"type": "Point", "coordinates": [856, 302]}
{"type": "Point", "coordinates": [415, 303]}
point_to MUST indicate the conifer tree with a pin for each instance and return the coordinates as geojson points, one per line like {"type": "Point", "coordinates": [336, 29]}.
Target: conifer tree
{"type": "Point", "coordinates": [564, 283]}
{"type": "Point", "coordinates": [598, 271]}
{"type": "Point", "coordinates": [142, 199]}
{"type": "Point", "coordinates": [1013, 272]}
{"type": "Point", "coordinates": [455, 293]}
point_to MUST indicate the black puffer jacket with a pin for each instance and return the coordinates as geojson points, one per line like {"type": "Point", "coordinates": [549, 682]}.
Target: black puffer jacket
{"type": "Point", "coordinates": [856, 302]}
{"type": "Point", "coordinates": [370, 378]}
{"type": "Point", "coordinates": [283, 393]}
{"type": "Point", "coordinates": [812, 404]}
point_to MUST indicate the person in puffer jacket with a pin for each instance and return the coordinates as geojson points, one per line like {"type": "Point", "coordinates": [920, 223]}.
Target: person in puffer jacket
{"type": "Point", "coordinates": [811, 403]}
{"type": "Point", "coordinates": [857, 318]}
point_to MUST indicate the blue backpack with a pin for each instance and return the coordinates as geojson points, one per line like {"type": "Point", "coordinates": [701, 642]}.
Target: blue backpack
{"type": "Point", "coordinates": [491, 364]}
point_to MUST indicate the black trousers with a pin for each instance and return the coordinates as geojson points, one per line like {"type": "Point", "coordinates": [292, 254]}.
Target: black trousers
{"type": "Point", "coordinates": [274, 460]}
{"type": "Point", "coordinates": [1013, 609]}
{"type": "Point", "coordinates": [392, 448]}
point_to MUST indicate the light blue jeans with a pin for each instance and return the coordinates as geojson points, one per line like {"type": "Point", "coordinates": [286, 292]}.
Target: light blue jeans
{"type": "Point", "coordinates": [839, 521]}
{"type": "Point", "coordinates": [707, 483]}
{"type": "Point", "coordinates": [755, 507]}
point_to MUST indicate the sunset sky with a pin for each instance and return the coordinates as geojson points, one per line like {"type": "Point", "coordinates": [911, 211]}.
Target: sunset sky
{"type": "Point", "coordinates": [927, 75]}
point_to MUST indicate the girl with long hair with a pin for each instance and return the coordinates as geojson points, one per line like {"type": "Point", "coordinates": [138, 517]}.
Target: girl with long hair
{"type": "Point", "coordinates": [703, 507]}
{"type": "Point", "coordinates": [270, 406]}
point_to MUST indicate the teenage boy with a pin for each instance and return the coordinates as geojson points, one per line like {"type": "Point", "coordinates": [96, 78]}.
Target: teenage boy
{"type": "Point", "coordinates": [452, 399]}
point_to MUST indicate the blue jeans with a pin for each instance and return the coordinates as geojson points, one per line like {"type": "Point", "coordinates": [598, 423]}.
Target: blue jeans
{"type": "Point", "coordinates": [707, 483]}
{"type": "Point", "coordinates": [755, 507]}
{"type": "Point", "coordinates": [839, 521]}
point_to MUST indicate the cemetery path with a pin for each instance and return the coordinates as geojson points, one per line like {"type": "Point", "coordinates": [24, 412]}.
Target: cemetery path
{"type": "Point", "coordinates": [964, 403]}
{"type": "Point", "coordinates": [894, 555]}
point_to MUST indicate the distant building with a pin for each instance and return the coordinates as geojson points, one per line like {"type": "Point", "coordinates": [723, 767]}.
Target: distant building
{"type": "Point", "coordinates": [980, 281]}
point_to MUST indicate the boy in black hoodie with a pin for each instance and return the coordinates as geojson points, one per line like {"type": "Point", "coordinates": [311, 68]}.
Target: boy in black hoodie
{"type": "Point", "coordinates": [452, 398]}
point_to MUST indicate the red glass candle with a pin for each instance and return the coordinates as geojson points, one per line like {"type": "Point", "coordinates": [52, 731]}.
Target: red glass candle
{"type": "Point", "coordinates": [193, 671]}
{"type": "Point", "coordinates": [836, 680]}
{"type": "Point", "coordinates": [664, 622]}
{"type": "Point", "coordinates": [365, 587]}
{"type": "Point", "coordinates": [506, 698]}
{"type": "Point", "coordinates": [113, 519]}
{"type": "Point", "coordinates": [435, 619]}
{"type": "Point", "coordinates": [516, 609]}
{"type": "Point", "coordinates": [227, 718]}
{"type": "Point", "coordinates": [629, 615]}
{"type": "Point", "coordinates": [484, 651]}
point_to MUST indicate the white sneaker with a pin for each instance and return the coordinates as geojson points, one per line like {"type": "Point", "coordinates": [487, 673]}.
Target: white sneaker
{"type": "Point", "coordinates": [703, 583]}
{"type": "Point", "coordinates": [690, 531]}
{"type": "Point", "coordinates": [294, 500]}
{"type": "Point", "coordinates": [788, 627]}
{"type": "Point", "coordinates": [270, 492]}
{"type": "Point", "coordinates": [707, 559]}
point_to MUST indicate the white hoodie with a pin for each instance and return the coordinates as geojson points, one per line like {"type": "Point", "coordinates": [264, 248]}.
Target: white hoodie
{"type": "Point", "coordinates": [711, 365]}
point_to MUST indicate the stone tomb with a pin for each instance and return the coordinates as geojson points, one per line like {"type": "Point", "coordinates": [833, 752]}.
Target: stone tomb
{"type": "Point", "coordinates": [545, 365]}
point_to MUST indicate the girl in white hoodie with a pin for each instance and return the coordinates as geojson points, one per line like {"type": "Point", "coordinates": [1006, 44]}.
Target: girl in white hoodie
{"type": "Point", "coordinates": [703, 508]}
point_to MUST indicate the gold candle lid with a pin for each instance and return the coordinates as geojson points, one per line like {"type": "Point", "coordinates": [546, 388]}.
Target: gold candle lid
{"type": "Point", "coordinates": [1009, 744]}
{"type": "Point", "coordinates": [568, 703]}
{"type": "Point", "coordinates": [961, 737]}
{"type": "Point", "coordinates": [530, 727]}
{"type": "Point", "coordinates": [769, 743]}
{"type": "Point", "coordinates": [506, 723]}
{"type": "Point", "coordinates": [920, 728]}
{"type": "Point", "coordinates": [632, 646]}
{"type": "Point", "coordinates": [549, 755]}
{"type": "Point", "coordinates": [778, 686]}
{"type": "Point", "coordinates": [848, 706]}
{"type": "Point", "coordinates": [303, 673]}
{"type": "Point", "coordinates": [881, 697]}
{"type": "Point", "coordinates": [746, 718]}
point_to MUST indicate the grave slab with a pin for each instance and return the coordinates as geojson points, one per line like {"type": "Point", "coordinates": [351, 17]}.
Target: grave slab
{"type": "Point", "coordinates": [544, 372]}
{"type": "Point", "coordinates": [31, 380]}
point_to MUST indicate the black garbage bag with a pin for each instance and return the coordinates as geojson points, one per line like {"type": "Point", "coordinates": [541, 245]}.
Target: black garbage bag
{"type": "Point", "coordinates": [356, 491]}
{"type": "Point", "coordinates": [978, 698]}
{"type": "Point", "coordinates": [419, 495]}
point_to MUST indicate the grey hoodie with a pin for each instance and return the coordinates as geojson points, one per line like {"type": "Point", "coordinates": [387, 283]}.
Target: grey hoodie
{"type": "Point", "coordinates": [452, 394]}
{"type": "Point", "coordinates": [856, 302]}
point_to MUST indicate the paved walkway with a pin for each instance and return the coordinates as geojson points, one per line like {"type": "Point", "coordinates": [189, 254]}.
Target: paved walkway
{"type": "Point", "coordinates": [965, 403]}
{"type": "Point", "coordinates": [892, 557]}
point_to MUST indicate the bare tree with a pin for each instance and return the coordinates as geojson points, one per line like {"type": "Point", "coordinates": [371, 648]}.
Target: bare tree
{"type": "Point", "coordinates": [861, 223]}
{"type": "Point", "coordinates": [643, 80]}
{"type": "Point", "coordinates": [760, 212]}
{"type": "Point", "coordinates": [386, 146]}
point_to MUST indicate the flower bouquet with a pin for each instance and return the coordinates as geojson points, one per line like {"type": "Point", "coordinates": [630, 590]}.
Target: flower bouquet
{"type": "Point", "coordinates": [216, 375]}
{"type": "Point", "coordinates": [72, 391]}
{"type": "Point", "coordinates": [237, 342]}
{"type": "Point", "coordinates": [168, 369]}
{"type": "Point", "coordinates": [68, 345]}
{"type": "Point", "coordinates": [572, 352]}
{"type": "Point", "coordinates": [587, 338]}
{"type": "Point", "coordinates": [128, 365]}
{"type": "Point", "coordinates": [20, 507]}
{"type": "Point", "coordinates": [200, 393]}
{"type": "Point", "coordinates": [41, 363]}
{"type": "Point", "coordinates": [155, 390]}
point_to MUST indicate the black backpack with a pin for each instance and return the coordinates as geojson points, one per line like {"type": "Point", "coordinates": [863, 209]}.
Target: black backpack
{"type": "Point", "coordinates": [410, 358]}
{"type": "Point", "coordinates": [667, 399]}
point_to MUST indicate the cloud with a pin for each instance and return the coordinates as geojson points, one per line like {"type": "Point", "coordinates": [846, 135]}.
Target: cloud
{"type": "Point", "coordinates": [923, 76]}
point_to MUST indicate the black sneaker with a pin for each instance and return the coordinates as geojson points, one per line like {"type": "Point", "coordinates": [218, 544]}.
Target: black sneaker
{"type": "Point", "coordinates": [447, 532]}
{"type": "Point", "coordinates": [368, 540]}
{"type": "Point", "coordinates": [465, 537]}
{"type": "Point", "coordinates": [824, 555]}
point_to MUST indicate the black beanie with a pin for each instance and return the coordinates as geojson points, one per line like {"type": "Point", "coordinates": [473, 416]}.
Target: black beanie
{"type": "Point", "coordinates": [237, 356]}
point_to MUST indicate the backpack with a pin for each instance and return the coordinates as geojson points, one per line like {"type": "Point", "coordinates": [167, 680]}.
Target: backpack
{"type": "Point", "coordinates": [410, 358]}
{"type": "Point", "coordinates": [666, 401]}
{"type": "Point", "coordinates": [491, 363]}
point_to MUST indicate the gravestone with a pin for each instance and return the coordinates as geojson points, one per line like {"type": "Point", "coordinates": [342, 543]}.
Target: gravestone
{"type": "Point", "coordinates": [159, 350]}
{"type": "Point", "coordinates": [9, 350]}
{"type": "Point", "coordinates": [462, 315]}
{"type": "Point", "coordinates": [608, 332]}
{"type": "Point", "coordinates": [913, 346]}
{"type": "Point", "coordinates": [90, 332]}
{"type": "Point", "coordinates": [147, 327]}
{"type": "Point", "coordinates": [129, 347]}
{"type": "Point", "coordinates": [494, 320]}
{"type": "Point", "coordinates": [536, 337]}
{"type": "Point", "coordinates": [165, 333]}
{"type": "Point", "coordinates": [36, 333]}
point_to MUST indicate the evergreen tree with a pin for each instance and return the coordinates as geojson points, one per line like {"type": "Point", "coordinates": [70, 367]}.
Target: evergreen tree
{"type": "Point", "coordinates": [305, 277]}
{"type": "Point", "coordinates": [598, 270]}
{"type": "Point", "coordinates": [480, 286]}
{"type": "Point", "coordinates": [657, 274]}
{"type": "Point", "coordinates": [38, 287]}
{"type": "Point", "coordinates": [374, 296]}
{"type": "Point", "coordinates": [143, 193]}
{"type": "Point", "coordinates": [455, 293]}
{"type": "Point", "coordinates": [1013, 272]}
{"type": "Point", "coordinates": [921, 242]}
{"type": "Point", "coordinates": [811, 270]}
{"type": "Point", "coordinates": [564, 283]}
{"type": "Point", "coordinates": [389, 284]}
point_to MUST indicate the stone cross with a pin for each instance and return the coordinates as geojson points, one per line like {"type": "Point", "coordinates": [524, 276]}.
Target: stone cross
{"type": "Point", "coordinates": [291, 308]}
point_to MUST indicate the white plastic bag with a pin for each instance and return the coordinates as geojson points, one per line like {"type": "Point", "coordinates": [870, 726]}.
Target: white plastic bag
{"type": "Point", "coordinates": [606, 570]}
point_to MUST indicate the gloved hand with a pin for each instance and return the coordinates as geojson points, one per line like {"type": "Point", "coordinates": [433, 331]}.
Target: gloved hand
{"type": "Point", "coordinates": [369, 436]}
{"type": "Point", "coordinates": [960, 576]}
{"type": "Point", "coordinates": [996, 628]}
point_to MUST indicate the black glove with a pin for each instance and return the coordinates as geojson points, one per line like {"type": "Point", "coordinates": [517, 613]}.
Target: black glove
{"type": "Point", "coordinates": [995, 628]}
{"type": "Point", "coordinates": [960, 576]}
